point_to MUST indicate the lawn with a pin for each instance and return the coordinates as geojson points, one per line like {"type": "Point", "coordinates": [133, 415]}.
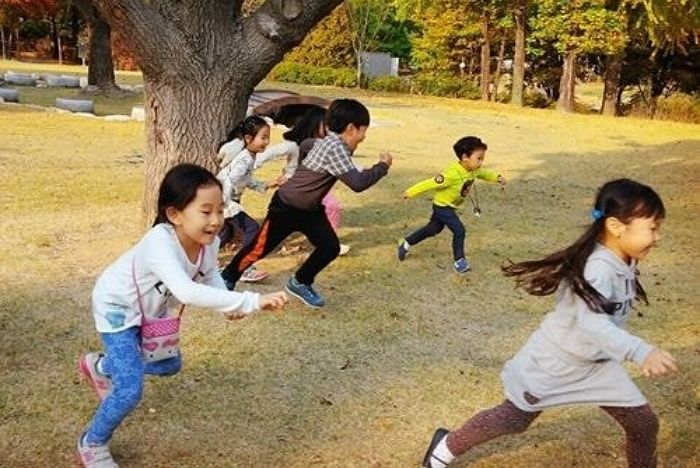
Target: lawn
{"type": "Point", "coordinates": [400, 348]}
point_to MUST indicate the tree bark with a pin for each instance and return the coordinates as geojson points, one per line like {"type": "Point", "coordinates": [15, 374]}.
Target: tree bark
{"type": "Point", "coordinates": [2, 41]}
{"type": "Point", "coordinates": [499, 66]}
{"type": "Point", "coordinates": [567, 84]}
{"type": "Point", "coordinates": [485, 56]}
{"type": "Point", "coordinates": [611, 78]}
{"type": "Point", "coordinates": [519, 58]}
{"type": "Point", "coordinates": [200, 63]}
{"type": "Point", "coordinates": [100, 65]}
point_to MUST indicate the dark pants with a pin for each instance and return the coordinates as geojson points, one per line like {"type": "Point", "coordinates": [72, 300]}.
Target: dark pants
{"type": "Point", "coordinates": [240, 222]}
{"type": "Point", "coordinates": [281, 221]}
{"type": "Point", "coordinates": [639, 422]}
{"type": "Point", "coordinates": [442, 216]}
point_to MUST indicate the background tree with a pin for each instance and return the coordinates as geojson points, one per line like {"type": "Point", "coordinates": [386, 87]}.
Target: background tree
{"type": "Point", "coordinates": [667, 30]}
{"type": "Point", "coordinates": [101, 64]}
{"type": "Point", "coordinates": [201, 61]}
{"type": "Point", "coordinates": [520, 21]}
{"type": "Point", "coordinates": [365, 18]}
{"type": "Point", "coordinates": [574, 28]}
{"type": "Point", "coordinates": [327, 44]}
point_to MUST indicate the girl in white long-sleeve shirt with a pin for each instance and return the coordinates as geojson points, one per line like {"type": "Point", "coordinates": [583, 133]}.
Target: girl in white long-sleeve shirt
{"type": "Point", "coordinates": [173, 265]}
{"type": "Point", "coordinates": [236, 175]}
{"type": "Point", "coordinates": [575, 357]}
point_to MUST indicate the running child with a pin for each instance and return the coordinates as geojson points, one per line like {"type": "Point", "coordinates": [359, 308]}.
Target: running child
{"type": "Point", "coordinates": [451, 187]}
{"type": "Point", "coordinates": [575, 357]}
{"type": "Point", "coordinates": [296, 205]}
{"type": "Point", "coordinates": [311, 125]}
{"type": "Point", "coordinates": [236, 175]}
{"type": "Point", "coordinates": [135, 299]}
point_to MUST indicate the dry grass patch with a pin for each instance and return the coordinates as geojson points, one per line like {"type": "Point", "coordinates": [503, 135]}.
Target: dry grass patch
{"type": "Point", "coordinates": [399, 350]}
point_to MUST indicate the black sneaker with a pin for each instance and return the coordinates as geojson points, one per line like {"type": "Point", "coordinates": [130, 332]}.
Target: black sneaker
{"type": "Point", "coordinates": [437, 437]}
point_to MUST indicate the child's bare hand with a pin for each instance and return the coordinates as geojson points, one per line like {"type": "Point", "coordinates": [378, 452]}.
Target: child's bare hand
{"type": "Point", "coordinates": [501, 180]}
{"type": "Point", "coordinates": [275, 300]}
{"type": "Point", "coordinates": [281, 180]}
{"type": "Point", "coordinates": [273, 184]}
{"type": "Point", "coordinates": [386, 158]}
{"type": "Point", "coordinates": [406, 196]}
{"type": "Point", "coordinates": [658, 363]}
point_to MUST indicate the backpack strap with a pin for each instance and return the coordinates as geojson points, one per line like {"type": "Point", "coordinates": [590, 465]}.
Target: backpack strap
{"type": "Point", "coordinates": [138, 291]}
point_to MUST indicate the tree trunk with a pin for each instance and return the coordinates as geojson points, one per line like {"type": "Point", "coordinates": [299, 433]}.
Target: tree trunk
{"type": "Point", "coordinates": [359, 75]}
{"type": "Point", "coordinates": [567, 84]}
{"type": "Point", "coordinates": [100, 66]}
{"type": "Point", "coordinates": [173, 136]}
{"type": "Point", "coordinates": [499, 66]}
{"type": "Point", "coordinates": [2, 41]}
{"type": "Point", "coordinates": [519, 58]}
{"type": "Point", "coordinates": [611, 78]}
{"type": "Point", "coordinates": [200, 62]}
{"type": "Point", "coordinates": [55, 39]}
{"type": "Point", "coordinates": [485, 57]}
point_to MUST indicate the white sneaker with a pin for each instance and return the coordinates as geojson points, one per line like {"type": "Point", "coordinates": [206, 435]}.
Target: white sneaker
{"type": "Point", "coordinates": [344, 249]}
{"type": "Point", "coordinates": [253, 275]}
{"type": "Point", "coordinates": [97, 456]}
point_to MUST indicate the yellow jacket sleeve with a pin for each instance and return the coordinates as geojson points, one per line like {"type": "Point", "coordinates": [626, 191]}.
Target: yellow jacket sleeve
{"type": "Point", "coordinates": [488, 175]}
{"type": "Point", "coordinates": [440, 181]}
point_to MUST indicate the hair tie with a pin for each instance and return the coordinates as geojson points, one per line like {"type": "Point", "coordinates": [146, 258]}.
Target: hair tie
{"type": "Point", "coordinates": [597, 214]}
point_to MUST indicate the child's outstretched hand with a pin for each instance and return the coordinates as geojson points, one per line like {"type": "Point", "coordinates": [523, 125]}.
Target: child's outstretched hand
{"type": "Point", "coordinates": [658, 363]}
{"type": "Point", "coordinates": [386, 158]}
{"type": "Point", "coordinates": [501, 180]}
{"type": "Point", "coordinates": [275, 300]}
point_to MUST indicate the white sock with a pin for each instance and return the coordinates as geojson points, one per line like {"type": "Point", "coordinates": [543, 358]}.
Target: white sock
{"type": "Point", "coordinates": [98, 366]}
{"type": "Point", "coordinates": [441, 455]}
{"type": "Point", "coordinates": [406, 245]}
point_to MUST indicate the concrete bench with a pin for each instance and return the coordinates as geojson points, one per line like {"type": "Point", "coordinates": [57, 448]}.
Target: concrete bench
{"type": "Point", "coordinates": [9, 95]}
{"type": "Point", "coordinates": [75, 105]}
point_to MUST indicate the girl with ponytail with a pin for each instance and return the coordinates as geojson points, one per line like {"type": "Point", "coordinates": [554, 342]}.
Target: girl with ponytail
{"type": "Point", "coordinates": [575, 357]}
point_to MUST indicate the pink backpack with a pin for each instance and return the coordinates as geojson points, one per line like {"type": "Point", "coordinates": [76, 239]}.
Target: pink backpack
{"type": "Point", "coordinates": [160, 337]}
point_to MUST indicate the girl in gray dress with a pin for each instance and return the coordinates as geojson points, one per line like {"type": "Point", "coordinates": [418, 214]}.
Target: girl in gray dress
{"type": "Point", "coordinates": [575, 356]}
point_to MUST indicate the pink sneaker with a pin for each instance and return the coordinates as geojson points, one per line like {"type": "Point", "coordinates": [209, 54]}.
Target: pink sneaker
{"type": "Point", "coordinates": [101, 384]}
{"type": "Point", "coordinates": [251, 275]}
{"type": "Point", "coordinates": [94, 456]}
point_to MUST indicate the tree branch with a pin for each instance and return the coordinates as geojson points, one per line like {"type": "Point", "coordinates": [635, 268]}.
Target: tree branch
{"type": "Point", "coordinates": [152, 39]}
{"type": "Point", "coordinates": [279, 25]}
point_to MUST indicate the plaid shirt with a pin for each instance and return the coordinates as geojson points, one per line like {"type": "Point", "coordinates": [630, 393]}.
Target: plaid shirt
{"type": "Point", "coordinates": [330, 155]}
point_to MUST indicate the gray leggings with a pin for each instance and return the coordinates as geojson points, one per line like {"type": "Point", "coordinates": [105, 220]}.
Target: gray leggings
{"type": "Point", "coordinates": [639, 422]}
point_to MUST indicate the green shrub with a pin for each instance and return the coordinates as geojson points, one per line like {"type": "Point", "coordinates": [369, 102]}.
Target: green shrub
{"type": "Point", "coordinates": [292, 72]}
{"type": "Point", "coordinates": [532, 98]}
{"type": "Point", "coordinates": [436, 84]}
{"type": "Point", "coordinates": [392, 84]}
{"type": "Point", "coordinates": [679, 107]}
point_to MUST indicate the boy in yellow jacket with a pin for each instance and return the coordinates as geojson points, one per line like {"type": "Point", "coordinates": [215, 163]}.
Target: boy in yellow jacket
{"type": "Point", "coordinates": [451, 188]}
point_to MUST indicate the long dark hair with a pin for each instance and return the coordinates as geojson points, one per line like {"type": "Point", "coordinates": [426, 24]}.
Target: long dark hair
{"type": "Point", "coordinates": [250, 126]}
{"type": "Point", "coordinates": [623, 199]}
{"type": "Point", "coordinates": [307, 127]}
{"type": "Point", "coordinates": [179, 188]}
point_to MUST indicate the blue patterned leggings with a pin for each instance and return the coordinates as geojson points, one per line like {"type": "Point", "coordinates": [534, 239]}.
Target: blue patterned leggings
{"type": "Point", "coordinates": [125, 366]}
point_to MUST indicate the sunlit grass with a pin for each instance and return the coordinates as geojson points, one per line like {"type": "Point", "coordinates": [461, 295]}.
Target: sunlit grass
{"type": "Point", "coordinates": [400, 349]}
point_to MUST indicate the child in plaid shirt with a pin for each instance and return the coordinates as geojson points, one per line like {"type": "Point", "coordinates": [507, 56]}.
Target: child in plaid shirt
{"type": "Point", "coordinates": [296, 206]}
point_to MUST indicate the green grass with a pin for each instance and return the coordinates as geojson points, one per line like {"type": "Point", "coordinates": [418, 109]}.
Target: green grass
{"type": "Point", "coordinates": [400, 348]}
